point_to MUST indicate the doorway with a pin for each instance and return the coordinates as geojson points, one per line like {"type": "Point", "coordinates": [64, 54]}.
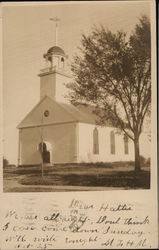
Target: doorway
{"type": "Point", "coordinates": [46, 151]}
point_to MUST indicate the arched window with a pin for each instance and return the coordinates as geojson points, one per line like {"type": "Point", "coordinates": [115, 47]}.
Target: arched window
{"type": "Point", "coordinates": [62, 62]}
{"type": "Point", "coordinates": [112, 142]}
{"type": "Point", "coordinates": [95, 141]}
{"type": "Point", "coordinates": [126, 146]}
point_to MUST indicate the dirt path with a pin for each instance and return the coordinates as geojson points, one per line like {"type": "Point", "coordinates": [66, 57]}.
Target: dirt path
{"type": "Point", "coordinates": [15, 186]}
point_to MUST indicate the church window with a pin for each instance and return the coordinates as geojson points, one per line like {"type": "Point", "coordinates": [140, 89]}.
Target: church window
{"type": "Point", "coordinates": [95, 141]}
{"type": "Point", "coordinates": [126, 147]}
{"type": "Point", "coordinates": [62, 62]}
{"type": "Point", "coordinates": [112, 142]}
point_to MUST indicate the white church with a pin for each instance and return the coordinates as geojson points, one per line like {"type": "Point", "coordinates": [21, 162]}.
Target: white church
{"type": "Point", "coordinates": [63, 133]}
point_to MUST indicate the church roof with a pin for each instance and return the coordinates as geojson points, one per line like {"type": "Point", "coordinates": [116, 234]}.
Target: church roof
{"type": "Point", "coordinates": [56, 50]}
{"type": "Point", "coordinates": [82, 113]}
{"type": "Point", "coordinates": [58, 113]}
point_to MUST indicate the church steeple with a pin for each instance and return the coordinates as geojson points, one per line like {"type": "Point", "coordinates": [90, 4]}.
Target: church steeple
{"type": "Point", "coordinates": [55, 56]}
{"type": "Point", "coordinates": [54, 76]}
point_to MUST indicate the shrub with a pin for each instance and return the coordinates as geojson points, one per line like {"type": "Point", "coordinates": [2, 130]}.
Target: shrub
{"type": "Point", "coordinates": [5, 162]}
{"type": "Point", "coordinates": [142, 159]}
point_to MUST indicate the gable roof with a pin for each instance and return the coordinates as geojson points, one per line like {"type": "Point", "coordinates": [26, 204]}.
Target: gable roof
{"type": "Point", "coordinates": [58, 113]}
{"type": "Point", "coordinates": [81, 113]}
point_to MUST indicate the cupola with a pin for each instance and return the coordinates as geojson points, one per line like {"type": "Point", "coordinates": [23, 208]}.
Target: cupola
{"type": "Point", "coordinates": [55, 58]}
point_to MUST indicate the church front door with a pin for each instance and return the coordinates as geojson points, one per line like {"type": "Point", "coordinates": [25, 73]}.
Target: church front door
{"type": "Point", "coordinates": [46, 156]}
{"type": "Point", "coordinates": [45, 152]}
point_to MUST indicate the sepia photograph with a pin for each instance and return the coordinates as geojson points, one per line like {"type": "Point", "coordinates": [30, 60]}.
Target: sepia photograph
{"type": "Point", "coordinates": [77, 96]}
{"type": "Point", "coordinates": [78, 132]}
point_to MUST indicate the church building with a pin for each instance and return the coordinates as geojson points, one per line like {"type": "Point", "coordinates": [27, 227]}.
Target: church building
{"type": "Point", "coordinates": [64, 133]}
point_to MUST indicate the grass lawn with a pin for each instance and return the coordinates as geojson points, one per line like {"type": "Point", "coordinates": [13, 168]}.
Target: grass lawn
{"type": "Point", "coordinates": [115, 175]}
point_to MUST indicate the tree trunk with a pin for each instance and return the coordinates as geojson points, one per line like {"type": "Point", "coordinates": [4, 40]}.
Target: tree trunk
{"type": "Point", "coordinates": [137, 155]}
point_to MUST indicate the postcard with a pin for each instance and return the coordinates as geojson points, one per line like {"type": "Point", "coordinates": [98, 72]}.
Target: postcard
{"type": "Point", "coordinates": [79, 125]}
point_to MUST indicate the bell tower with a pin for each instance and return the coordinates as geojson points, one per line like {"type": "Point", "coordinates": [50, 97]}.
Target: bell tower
{"type": "Point", "coordinates": [54, 76]}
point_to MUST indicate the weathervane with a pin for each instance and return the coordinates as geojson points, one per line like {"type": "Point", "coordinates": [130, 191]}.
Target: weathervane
{"type": "Point", "coordinates": [56, 20]}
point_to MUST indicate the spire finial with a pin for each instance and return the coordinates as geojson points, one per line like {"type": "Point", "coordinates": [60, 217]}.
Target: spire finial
{"type": "Point", "coordinates": [56, 20]}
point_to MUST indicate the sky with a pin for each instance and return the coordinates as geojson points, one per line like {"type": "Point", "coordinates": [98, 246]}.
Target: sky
{"type": "Point", "coordinates": [27, 34]}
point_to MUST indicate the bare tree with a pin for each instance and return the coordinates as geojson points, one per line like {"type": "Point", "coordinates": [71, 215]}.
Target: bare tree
{"type": "Point", "coordinates": [113, 72]}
